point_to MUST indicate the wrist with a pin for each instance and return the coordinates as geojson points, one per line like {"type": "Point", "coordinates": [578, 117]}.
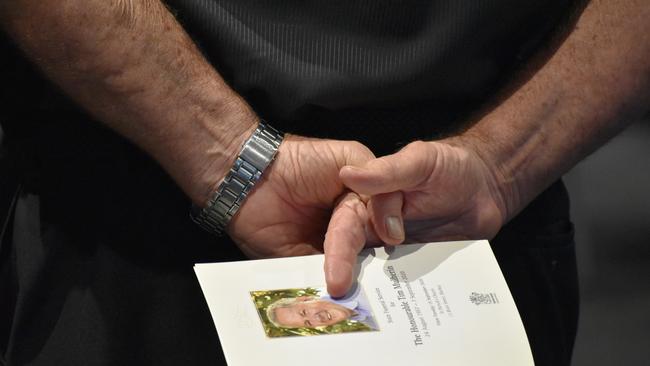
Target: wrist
{"type": "Point", "coordinates": [500, 184]}
{"type": "Point", "coordinates": [238, 124]}
{"type": "Point", "coordinates": [254, 157]}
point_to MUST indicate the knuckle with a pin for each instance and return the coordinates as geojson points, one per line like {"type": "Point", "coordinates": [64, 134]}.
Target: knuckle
{"type": "Point", "coordinates": [356, 145]}
{"type": "Point", "coordinates": [417, 146]}
{"type": "Point", "coordinates": [385, 165]}
{"type": "Point", "coordinates": [355, 206]}
{"type": "Point", "coordinates": [361, 151]}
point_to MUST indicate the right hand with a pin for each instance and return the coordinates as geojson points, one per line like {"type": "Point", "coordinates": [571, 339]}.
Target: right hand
{"type": "Point", "coordinates": [431, 191]}
{"type": "Point", "coordinates": [288, 212]}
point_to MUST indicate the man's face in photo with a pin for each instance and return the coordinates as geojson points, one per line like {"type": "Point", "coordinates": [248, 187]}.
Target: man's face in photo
{"type": "Point", "coordinates": [310, 312]}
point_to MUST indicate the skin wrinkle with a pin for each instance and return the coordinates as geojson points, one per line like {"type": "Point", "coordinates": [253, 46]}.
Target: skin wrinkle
{"type": "Point", "coordinates": [433, 163]}
{"type": "Point", "coordinates": [129, 11]}
{"type": "Point", "coordinates": [289, 248]}
{"type": "Point", "coordinates": [340, 161]}
{"type": "Point", "coordinates": [348, 208]}
{"type": "Point", "coordinates": [584, 68]}
{"type": "Point", "coordinates": [126, 11]}
{"type": "Point", "coordinates": [359, 212]}
{"type": "Point", "coordinates": [287, 198]}
{"type": "Point", "coordinates": [474, 214]}
{"type": "Point", "coordinates": [138, 72]}
{"type": "Point", "coordinates": [440, 166]}
{"type": "Point", "coordinates": [316, 157]}
{"type": "Point", "coordinates": [121, 81]}
{"type": "Point", "coordinates": [291, 170]}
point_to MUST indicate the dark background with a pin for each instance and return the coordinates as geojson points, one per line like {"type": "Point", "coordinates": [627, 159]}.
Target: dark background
{"type": "Point", "coordinates": [610, 193]}
{"type": "Point", "coordinates": [610, 201]}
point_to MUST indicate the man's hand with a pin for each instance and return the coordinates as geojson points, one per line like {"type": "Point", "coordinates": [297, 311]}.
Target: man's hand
{"type": "Point", "coordinates": [435, 190]}
{"type": "Point", "coordinates": [132, 66]}
{"type": "Point", "coordinates": [287, 214]}
{"type": "Point", "coordinates": [596, 82]}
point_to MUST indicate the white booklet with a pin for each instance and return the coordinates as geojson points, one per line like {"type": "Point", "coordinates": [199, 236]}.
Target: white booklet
{"type": "Point", "coordinates": [424, 304]}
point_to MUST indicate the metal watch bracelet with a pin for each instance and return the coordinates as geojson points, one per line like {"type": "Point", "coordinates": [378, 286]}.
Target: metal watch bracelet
{"type": "Point", "coordinates": [255, 156]}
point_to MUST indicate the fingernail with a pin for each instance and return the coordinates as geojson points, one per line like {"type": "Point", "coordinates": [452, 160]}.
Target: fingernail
{"type": "Point", "coordinates": [394, 227]}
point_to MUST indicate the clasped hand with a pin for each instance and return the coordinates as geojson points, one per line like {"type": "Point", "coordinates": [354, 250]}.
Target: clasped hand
{"type": "Point", "coordinates": [336, 197]}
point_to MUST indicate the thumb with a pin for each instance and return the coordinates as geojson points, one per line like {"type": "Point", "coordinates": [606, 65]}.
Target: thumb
{"type": "Point", "coordinates": [404, 170]}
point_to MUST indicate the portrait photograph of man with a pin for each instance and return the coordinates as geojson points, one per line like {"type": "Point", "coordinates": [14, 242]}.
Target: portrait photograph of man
{"type": "Point", "coordinates": [312, 311]}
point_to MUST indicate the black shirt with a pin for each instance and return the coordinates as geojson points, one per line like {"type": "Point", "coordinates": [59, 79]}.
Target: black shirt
{"type": "Point", "coordinates": [99, 268]}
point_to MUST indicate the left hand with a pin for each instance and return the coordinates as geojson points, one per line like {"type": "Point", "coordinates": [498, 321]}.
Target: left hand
{"type": "Point", "coordinates": [301, 207]}
{"type": "Point", "coordinates": [430, 191]}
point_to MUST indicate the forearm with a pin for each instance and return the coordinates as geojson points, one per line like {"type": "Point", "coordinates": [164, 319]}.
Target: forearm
{"type": "Point", "coordinates": [596, 83]}
{"type": "Point", "coordinates": [131, 65]}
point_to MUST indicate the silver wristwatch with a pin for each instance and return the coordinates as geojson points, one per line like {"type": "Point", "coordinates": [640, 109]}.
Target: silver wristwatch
{"type": "Point", "coordinates": [255, 156]}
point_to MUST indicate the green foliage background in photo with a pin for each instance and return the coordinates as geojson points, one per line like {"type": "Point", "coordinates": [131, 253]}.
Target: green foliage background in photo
{"type": "Point", "coordinates": [263, 299]}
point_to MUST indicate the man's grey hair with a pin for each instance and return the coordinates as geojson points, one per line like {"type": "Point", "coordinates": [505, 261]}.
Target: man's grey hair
{"type": "Point", "coordinates": [284, 302]}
